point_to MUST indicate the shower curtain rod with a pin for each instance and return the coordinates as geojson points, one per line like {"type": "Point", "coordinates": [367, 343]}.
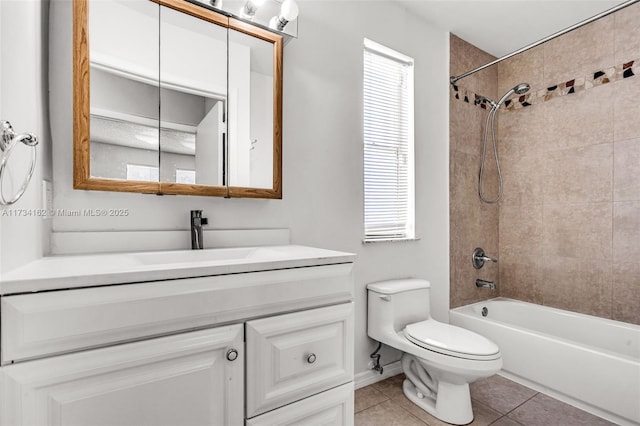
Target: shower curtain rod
{"type": "Point", "coordinates": [455, 78]}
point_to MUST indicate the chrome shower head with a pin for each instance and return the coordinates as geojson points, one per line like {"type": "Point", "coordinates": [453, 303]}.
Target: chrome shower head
{"type": "Point", "coordinates": [520, 89]}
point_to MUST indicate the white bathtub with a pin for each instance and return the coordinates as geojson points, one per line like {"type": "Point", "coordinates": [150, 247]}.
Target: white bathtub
{"type": "Point", "coordinates": [589, 362]}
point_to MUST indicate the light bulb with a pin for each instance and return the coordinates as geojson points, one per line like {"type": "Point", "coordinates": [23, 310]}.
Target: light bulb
{"type": "Point", "coordinates": [289, 10]}
{"type": "Point", "coordinates": [273, 23]}
{"type": "Point", "coordinates": [250, 8]}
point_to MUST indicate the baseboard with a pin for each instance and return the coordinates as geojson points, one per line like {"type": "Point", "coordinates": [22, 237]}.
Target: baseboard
{"type": "Point", "coordinates": [369, 377]}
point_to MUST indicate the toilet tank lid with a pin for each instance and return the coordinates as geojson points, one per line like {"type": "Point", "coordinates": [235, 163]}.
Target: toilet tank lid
{"type": "Point", "coordinates": [398, 286]}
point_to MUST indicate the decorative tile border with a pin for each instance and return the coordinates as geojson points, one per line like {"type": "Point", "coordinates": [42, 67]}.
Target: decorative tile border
{"type": "Point", "coordinates": [598, 78]}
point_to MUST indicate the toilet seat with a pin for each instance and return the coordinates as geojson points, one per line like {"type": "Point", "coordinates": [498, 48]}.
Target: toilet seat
{"type": "Point", "coordinates": [450, 340]}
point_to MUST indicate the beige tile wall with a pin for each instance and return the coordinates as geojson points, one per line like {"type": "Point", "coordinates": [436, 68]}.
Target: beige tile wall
{"type": "Point", "coordinates": [473, 224]}
{"type": "Point", "coordinates": [569, 222]}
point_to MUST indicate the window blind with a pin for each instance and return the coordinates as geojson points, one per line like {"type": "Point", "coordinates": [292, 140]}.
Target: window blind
{"type": "Point", "coordinates": [388, 144]}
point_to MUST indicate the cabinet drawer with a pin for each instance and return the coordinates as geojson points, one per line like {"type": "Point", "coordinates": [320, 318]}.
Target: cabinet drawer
{"type": "Point", "coordinates": [331, 408]}
{"type": "Point", "coordinates": [293, 356]}
{"type": "Point", "coordinates": [36, 325]}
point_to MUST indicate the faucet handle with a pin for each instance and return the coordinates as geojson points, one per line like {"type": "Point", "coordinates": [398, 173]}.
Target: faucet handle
{"type": "Point", "coordinates": [479, 258]}
{"type": "Point", "coordinates": [197, 219]}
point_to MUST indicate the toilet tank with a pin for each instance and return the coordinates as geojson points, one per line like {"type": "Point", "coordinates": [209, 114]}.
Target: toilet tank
{"type": "Point", "coordinates": [394, 304]}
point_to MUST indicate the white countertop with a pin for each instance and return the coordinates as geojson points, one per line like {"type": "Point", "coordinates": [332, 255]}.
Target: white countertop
{"type": "Point", "coordinates": [61, 272]}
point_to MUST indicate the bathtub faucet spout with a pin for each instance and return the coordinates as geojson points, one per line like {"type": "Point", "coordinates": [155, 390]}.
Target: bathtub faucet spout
{"type": "Point", "coordinates": [485, 284]}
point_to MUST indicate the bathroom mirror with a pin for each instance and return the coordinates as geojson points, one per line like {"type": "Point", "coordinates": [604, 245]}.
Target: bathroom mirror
{"type": "Point", "coordinates": [174, 98]}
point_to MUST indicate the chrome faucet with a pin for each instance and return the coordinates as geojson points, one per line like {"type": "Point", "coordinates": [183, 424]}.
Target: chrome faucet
{"type": "Point", "coordinates": [196, 229]}
{"type": "Point", "coordinates": [485, 284]}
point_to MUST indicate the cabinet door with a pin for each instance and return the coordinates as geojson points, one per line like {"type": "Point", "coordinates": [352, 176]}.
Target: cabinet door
{"type": "Point", "coordinates": [187, 379]}
{"type": "Point", "coordinates": [293, 356]}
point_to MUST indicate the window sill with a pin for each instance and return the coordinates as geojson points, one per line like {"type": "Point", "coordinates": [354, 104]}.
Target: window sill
{"type": "Point", "coordinates": [390, 240]}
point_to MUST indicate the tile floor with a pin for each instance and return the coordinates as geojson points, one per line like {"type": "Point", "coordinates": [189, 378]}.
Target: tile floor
{"type": "Point", "coordinates": [496, 401]}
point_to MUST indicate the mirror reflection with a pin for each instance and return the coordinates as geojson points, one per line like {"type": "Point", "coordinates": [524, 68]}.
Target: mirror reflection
{"type": "Point", "coordinates": [125, 95]}
{"type": "Point", "coordinates": [251, 111]}
{"type": "Point", "coordinates": [193, 82]}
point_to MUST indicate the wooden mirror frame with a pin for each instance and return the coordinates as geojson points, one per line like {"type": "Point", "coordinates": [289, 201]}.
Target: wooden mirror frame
{"type": "Point", "coordinates": [81, 111]}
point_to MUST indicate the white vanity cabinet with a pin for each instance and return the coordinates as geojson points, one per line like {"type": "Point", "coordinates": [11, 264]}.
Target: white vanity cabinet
{"type": "Point", "coordinates": [255, 347]}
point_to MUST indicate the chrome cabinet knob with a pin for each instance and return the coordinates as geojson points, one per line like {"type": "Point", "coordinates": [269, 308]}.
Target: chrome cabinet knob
{"type": "Point", "coordinates": [232, 354]}
{"type": "Point", "coordinates": [311, 358]}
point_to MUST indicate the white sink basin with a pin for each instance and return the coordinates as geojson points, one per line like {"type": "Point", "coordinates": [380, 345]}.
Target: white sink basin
{"type": "Point", "coordinates": [208, 255]}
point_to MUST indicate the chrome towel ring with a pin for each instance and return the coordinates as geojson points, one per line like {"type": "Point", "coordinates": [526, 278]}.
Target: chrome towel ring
{"type": "Point", "coordinates": [8, 140]}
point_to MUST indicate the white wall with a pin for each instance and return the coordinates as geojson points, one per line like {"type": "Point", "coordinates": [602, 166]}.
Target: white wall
{"type": "Point", "coordinates": [323, 145]}
{"type": "Point", "coordinates": [322, 152]}
{"type": "Point", "coordinates": [23, 102]}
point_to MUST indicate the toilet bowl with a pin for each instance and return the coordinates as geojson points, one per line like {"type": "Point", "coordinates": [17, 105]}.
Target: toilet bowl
{"type": "Point", "coordinates": [439, 360]}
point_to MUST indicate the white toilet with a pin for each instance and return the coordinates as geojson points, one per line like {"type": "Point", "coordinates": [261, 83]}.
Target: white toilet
{"type": "Point", "coordinates": [439, 360]}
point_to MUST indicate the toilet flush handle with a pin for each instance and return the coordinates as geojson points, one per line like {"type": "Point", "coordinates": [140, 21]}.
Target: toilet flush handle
{"type": "Point", "coordinates": [385, 297]}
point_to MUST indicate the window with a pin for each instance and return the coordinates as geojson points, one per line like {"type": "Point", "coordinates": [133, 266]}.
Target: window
{"type": "Point", "coordinates": [144, 173]}
{"type": "Point", "coordinates": [388, 144]}
{"type": "Point", "coordinates": [186, 176]}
